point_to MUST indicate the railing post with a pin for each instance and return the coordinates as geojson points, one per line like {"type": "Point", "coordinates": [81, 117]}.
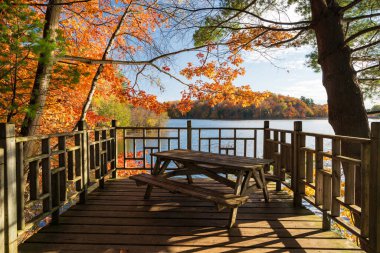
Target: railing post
{"type": "Point", "coordinates": [20, 179]}
{"type": "Point", "coordinates": [266, 135]}
{"type": "Point", "coordinates": [82, 126]}
{"type": "Point", "coordinates": [114, 149]}
{"type": "Point", "coordinates": [8, 186]}
{"type": "Point", "coordinates": [296, 163]}
{"type": "Point", "coordinates": [189, 135]}
{"type": "Point", "coordinates": [374, 193]}
{"type": "Point", "coordinates": [2, 204]}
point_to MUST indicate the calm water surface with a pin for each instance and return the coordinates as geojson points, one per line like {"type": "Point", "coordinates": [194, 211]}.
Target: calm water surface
{"type": "Point", "coordinates": [309, 125]}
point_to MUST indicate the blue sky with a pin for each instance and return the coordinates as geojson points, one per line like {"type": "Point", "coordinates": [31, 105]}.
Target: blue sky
{"type": "Point", "coordinates": [281, 71]}
{"type": "Point", "coordinates": [284, 73]}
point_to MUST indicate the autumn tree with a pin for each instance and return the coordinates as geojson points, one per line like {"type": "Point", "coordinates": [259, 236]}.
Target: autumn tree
{"type": "Point", "coordinates": [19, 41]}
{"type": "Point", "coordinates": [344, 33]}
{"type": "Point", "coordinates": [62, 78]}
{"type": "Point", "coordinates": [44, 69]}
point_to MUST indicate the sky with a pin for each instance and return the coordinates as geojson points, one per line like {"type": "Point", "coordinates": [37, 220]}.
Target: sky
{"type": "Point", "coordinates": [284, 73]}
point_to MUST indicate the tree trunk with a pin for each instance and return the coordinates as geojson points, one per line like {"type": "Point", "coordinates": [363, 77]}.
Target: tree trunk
{"type": "Point", "coordinates": [347, 114]}
{"type": "Point", "coordinates": [99, 71]}
{"type": "Point", "coordinates": [43, 74]}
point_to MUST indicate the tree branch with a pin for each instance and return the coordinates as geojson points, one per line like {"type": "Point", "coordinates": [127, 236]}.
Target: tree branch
{"type": "Point", "coordinates": [366, 46]}
{"type": "Point", "coordinates": [145, 62]}
{"type": "Point", "coordinates": [370, 67]}
{"type": "Point", "coordinates": [349, 6]}
{"type": "Point", "coordinates": [350, 19]}
{"type": "Point", "coordinates": [288, 40]}
{"type": "Point", "coordinates": [354, 36]}
{"type": "Point", "coordinates": [366, 58]}
{"type": "Point", "coordinates": [64, 3]}
{"type": "Point", "coordinates": [246, 12]}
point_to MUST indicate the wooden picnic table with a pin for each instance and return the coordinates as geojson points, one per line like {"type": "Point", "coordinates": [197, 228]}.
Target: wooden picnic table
{"type": "Point", "coordinates": [211, 165]}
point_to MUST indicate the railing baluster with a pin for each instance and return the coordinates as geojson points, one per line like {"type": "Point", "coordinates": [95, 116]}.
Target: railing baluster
{"type": "Point", "coordinates": [8, 187]}
{"type": "Point", "coordinates": [114, 149]}
{"type": "Point", "coordinates": [298, 160]}
{"type": "Point", "coordinates": [62, 164]}
{"type": "Point", "coordinates": [282, 156]}
{"type": "Point", "coordinates": [374, 208]}
{"type": "Point", "coordinates": [365, 168]}
{"type": "Point", "coordinates": [319, 186]}
{"type": "Point", "coordinates": [3, 225]}
{"type": "Point", "coordinates": [255, 144]}
{"type": "Point", "coordinates": [46, 175]}
{"type": "Point", "coordinates": [234, 141]}
{"type": "Point", "coordinates": [124, 148]}
{"type": "Point", "coordinates": [336, 171]}
{"type": "Point", "coordinates": [326, 198]}
{"type": "Point", "coordinates": [20, 186]}
{"type": "Point", "coordinates": [220, 140]}
{"type": "Point", "coordinates": [78, 162]}
{"type": "Point", "coordinates": [349, 186]}
{"type": "Point", "coordinates": [189, 135]}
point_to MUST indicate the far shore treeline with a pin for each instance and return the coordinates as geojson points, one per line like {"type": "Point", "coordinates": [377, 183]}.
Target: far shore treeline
{"type": "Point", "coordinates": [274, 107]}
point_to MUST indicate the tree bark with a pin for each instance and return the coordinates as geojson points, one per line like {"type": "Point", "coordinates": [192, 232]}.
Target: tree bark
{"type": "Point", "coordinates": [347, 113]}
{"type": "Point", "coordinates": [44, 69]}
{"type": "Point", "coordinates": [99, 71]}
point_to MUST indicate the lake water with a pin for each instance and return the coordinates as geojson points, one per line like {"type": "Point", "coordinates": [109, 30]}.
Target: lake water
{"type": "Point", "coordinates": [311, 125]}
{"type": "Point", "coordinates": [308, 125]}
{"type": "Point", "coordinates": [242, 149]}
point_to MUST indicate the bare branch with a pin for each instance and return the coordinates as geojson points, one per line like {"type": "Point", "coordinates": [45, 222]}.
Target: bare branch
{"type": "Point", "coordinates": [288, 40]}
{"type": "Point", "coordinates": [145, 62]}
{"type": "Point", "coordinates": [366, 58]}
{"type": "Point", "coordinates": [64, 3]}
{"type": "Point", "coordinates": [366, 46]}
{"type": "Point", "coordinates": [168, 74]}
{"type": "Point", "coordinates": [246, 12]}
{"type": "Point", "coordinates": [370, 67]}
{"type": "Point", "coordinates": [354, 36]}
{"type": "Point", "coordinates": [350, 19]}
{"type": "Point", "coordinates": [349, 6]}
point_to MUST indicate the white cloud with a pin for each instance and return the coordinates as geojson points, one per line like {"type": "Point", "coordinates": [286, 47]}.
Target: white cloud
{"type": "Point", "coordinates": [307, 88]}
{"type": "Point", "coordinates": [287, 58]}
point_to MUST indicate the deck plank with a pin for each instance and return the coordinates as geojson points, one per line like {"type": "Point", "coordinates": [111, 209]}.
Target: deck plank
{"type": "Point", "coordinates": [117, 219]}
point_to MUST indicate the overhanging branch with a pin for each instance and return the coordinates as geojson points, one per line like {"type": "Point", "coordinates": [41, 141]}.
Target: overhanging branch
{"type": "Point", "coordinates": [55, 4]}
{"type": "Point", "coordinates": [349, 6]}
{"type": "Point", "coordinates": [360, 33]}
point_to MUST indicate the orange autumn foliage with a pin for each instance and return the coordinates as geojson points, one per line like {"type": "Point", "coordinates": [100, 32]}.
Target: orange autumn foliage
{"type": "Point", "coordinates": [220, 75]}
{"type": "Point", "coordinates": [85, 29]}
{"type": "Point", "coordinates": [219, 84]}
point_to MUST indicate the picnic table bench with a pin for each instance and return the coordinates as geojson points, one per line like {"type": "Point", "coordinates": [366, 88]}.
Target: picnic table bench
{"type": "Point", "coordinates": [211, 165]}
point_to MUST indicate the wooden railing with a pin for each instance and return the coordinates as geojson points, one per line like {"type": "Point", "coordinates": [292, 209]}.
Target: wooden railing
{"type": "Point", "coordinates": [62, 169]}
{"type": "Point", "coordinates": [65, 167]}
{"type": "Point", "coordinates": [139, 142]}
{"type": "Point", "coordinates": [328, 180]}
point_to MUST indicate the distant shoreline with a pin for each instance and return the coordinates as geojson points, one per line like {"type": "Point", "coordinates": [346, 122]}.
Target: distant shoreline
{"type": "Point", "coordinates": [309, 118]}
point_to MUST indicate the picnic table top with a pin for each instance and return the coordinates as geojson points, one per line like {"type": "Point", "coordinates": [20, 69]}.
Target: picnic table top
{"type": "Point", "coordinates": [199, 157]}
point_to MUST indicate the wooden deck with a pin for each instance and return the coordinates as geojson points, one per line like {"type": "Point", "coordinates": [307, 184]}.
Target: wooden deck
{"type": "Point", "coordinates": [118, 219]}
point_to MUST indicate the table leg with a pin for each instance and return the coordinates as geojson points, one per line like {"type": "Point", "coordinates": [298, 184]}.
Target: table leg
{"type": "Point", "coordinates": [189, 179]}
{"type": "Point", "coordinates": [264, 184]}
{"type": "Point", "coordinates": [181, 166]}
{"type": "Point", "coordinates": [156, 169]}
{"type": "Point", "coordinates": [237, 191]}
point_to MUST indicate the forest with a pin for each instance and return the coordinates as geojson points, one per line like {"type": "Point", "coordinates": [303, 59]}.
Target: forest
{"type": "Point", "coordinates": [273, 107]}
{"type": "Point", "coordinates": [60, 58]}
